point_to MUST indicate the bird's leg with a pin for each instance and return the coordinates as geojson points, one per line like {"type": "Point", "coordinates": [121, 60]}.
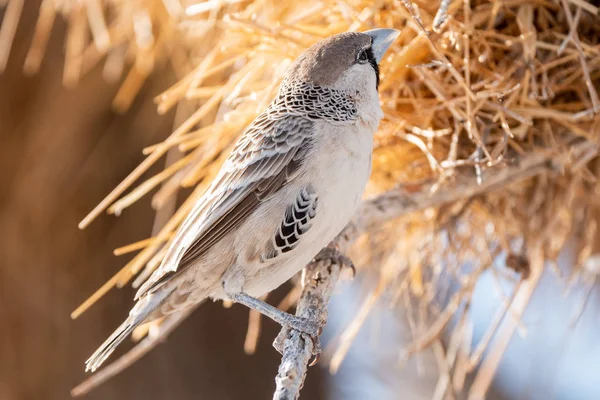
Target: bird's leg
{"type": "Point", "coordinates": [233, 283]}
{"type": "Point", "coordinates": [311, 329]}
{"type": "Point", "coordinates": [284, 334]}
{"type": "Point", "coordinates": [284, 319]}
{"type": "Point", "coordinates": [333, 255]}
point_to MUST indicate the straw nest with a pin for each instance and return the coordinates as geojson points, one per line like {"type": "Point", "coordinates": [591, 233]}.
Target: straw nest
{"type": "Point", "coordinates": [492, 121]}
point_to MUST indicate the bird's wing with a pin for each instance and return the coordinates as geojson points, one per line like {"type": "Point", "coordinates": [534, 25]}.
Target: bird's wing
{"type": "Point", "coordinates": [264, 159]}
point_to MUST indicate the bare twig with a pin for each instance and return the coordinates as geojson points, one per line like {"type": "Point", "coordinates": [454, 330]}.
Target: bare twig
{"type": "Point", "coordinates": [434, 331]}
{"type": "Point", "coordinates": [441, 16]}
{"type": "Point", "coordinates": [398, 202]}
{"type": "Point", "coordinates": [8, 30]}
{"type": "Point", "coordinates": [253, 332]}
{"type": "Point", "coordinates": [484, 376]}
{"type": "Point", "coordinates": [574, 37]}
{"type": "Point", "coordinates": [319, 281]}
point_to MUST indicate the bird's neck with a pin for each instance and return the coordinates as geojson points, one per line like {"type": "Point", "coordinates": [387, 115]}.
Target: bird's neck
{"type": "Point", "coordinates": [337, 106]}
{"type": "Point", "coordinates": [315, 102]}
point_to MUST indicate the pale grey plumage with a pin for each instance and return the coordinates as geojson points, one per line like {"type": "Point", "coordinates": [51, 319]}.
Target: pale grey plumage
{"type": "Point", "coordinates": [289, 186]}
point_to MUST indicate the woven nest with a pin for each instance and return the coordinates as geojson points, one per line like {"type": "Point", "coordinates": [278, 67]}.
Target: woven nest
{"type": "Point", "coordinates": [491, 119]}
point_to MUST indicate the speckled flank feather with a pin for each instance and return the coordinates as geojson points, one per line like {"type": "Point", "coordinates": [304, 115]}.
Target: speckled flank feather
{"type": "Point", "coordinates": [297, 221]}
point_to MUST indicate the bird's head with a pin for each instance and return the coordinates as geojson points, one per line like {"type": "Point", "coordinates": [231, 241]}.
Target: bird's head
{"type": "Point", "coordinates": [348, 62]}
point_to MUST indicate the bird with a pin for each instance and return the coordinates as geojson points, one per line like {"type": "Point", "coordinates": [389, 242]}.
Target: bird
{"type": "Point", "coordinates": [292, 182]}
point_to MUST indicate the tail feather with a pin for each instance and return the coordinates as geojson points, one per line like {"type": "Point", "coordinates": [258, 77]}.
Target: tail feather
{"type": "Point", "coordinates": [137, 316]}
{"type": "Point", "coordinates": [110, 344]}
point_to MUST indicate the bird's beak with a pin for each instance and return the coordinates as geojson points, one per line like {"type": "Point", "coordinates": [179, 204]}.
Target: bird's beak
{"type": "Point", "coordinates": [382, 40]}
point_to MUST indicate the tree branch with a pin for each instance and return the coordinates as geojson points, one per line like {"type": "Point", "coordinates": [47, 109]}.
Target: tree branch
{"type": "Point", "coordinates": [319, 280]}
{"type": "Point", "coordinates": [322, 276]}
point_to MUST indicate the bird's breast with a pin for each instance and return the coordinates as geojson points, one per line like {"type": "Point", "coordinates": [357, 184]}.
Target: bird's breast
{"type": "Point", "coordinates": [342, 169]}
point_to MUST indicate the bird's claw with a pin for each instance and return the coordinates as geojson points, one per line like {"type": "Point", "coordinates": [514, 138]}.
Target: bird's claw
{"type": "Point", "coordinates": [308, 334]}
{"type": "Point", "coordinates": [316, 348]}
{"type": "Point", "coordinates": [336, 257]}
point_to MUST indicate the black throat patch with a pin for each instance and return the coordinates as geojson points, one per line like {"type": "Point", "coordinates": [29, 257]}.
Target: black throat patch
{"type": "Point", "coordinates": [373, 63]}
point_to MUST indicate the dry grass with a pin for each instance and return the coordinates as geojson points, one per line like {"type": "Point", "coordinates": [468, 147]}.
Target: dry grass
{"type": "Point", "coordinates": [466, 91]}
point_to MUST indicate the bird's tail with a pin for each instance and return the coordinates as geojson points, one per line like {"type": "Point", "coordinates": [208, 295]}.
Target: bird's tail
{"type": "Point", "coordinates": [137, 316]}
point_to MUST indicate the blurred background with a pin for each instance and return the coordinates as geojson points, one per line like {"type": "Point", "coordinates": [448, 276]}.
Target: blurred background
{"type": "Point", "coordinates": [62, 149]}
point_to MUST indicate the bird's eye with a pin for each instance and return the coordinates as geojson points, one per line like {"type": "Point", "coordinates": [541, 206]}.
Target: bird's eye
{"type": "Point", "coordinates": [362, 56]}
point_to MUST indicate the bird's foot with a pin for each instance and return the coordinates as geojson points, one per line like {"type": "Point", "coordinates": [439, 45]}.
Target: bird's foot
{"type": "Point", "coordinates": [304, 326]}
{"type": "Point", "coordinates": [308, 328]}
{"type": "Point", "coordinates": [286, 331]}
{"type": "Point", "coordinates": [336, 257]}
